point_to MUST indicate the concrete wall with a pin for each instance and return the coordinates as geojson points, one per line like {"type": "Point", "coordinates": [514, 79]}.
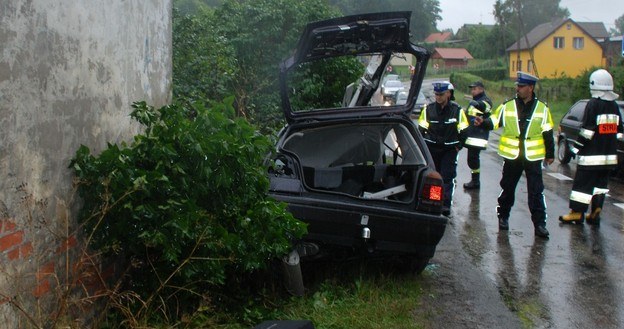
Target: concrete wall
{"type": "Point", "coordinates": [69, 71]}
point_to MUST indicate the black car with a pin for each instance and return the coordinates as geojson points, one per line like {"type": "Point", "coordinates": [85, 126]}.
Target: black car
{"type": "Point", "coordinates": [356, 171]}
{"type": "Point", "coordinates": [568, 132]}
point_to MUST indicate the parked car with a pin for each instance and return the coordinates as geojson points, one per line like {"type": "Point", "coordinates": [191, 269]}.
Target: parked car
{"type": "Point", "coordinates": [400, 97]}
{"type": "Point", "coordinates": [569, 129]}
{"type": "Point", "coordinates": [388, 77]}
{"type": "Point", "coordinates": [358, 174]}
{"type": "Point", "coordinates": [391, 87]}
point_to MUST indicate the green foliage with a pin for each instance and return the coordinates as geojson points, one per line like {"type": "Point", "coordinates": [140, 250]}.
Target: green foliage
{"type": "Point", "coordinates": [323, 77]}
{"type": "Point", "coordinates": [619, 26]}
{"type": "Point", "coordinates": [387, 301]}
{"type": "Point", "coordinates": [204, 64]}
{"type": "Point", "coordinates": [184, 206]}
{"type": "Point", "coordinates": [262, 34]}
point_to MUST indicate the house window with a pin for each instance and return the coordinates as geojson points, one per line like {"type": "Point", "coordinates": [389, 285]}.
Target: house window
{"type": "Point", "coordinates": [558, 42]}
{"type": "Point", "coordinates": [579, 43]}
{"type": "Point", "coordinates": [569, 26]}
{"type": "Point", "coordinates": [519, 68]}
{"type": "Point", "coordinates": [530, 66]}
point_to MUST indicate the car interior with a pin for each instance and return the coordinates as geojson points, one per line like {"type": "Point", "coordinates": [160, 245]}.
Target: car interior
{"type": "Point", "coordinates": [374, 161]}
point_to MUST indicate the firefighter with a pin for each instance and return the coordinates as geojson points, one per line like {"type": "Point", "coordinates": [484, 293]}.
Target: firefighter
{"type": "Point", "coordinates": [477, 137]}
{"type": "Point", "coordinates": [442, 123]}
{"type": "Point", "coordinates": [596, 149]}
{"type": "Point", "coordinates": [526, 141]}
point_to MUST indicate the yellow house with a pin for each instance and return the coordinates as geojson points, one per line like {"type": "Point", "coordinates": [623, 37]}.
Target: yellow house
{"type": "Point", "coordinates": [558, 48]}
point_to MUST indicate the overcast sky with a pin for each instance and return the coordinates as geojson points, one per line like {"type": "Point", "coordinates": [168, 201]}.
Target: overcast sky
{"type": "Point", "coordinates": [456, 13]}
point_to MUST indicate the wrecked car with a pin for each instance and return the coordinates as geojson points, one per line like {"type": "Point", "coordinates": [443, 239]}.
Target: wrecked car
{"type": "Point", "coordinates": [354, 168]}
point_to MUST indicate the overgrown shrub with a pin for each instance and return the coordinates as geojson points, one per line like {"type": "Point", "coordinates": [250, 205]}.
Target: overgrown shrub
{"type": "Point", "coordinates": [184, 206]}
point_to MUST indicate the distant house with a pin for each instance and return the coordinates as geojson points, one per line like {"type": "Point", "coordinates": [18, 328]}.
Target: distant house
{"type": "Point", "coordinates": [438, 37]}
{"type": "Point", "coordinates": [560, 47]}
{"type": "Point", "coordinates": [612, 50]}
{"type": "Point", "coordinates": [450, 57]}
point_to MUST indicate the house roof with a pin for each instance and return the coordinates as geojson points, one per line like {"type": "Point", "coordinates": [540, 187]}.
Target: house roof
{"type": "Point", "coordinates": [438, 37]}
{"type": "Point", "coordinates": [451, 53]}
{"type": "Point", "coordinates": [596, 30]}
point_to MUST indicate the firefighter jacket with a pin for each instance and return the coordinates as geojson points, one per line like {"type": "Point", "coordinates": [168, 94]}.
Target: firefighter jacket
{"type": "Point", "coordinates": [476, 136]}
{"type": "Point", "coordinates": [598, 138]}
{"type": "Point", "coordinates": [527, 129]}
{"type": "Point", "coordinates": [443, 127]}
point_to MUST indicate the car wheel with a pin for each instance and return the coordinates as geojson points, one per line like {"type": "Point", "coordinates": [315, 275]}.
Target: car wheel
{"type": "Point", "coordinates": [563, 151]}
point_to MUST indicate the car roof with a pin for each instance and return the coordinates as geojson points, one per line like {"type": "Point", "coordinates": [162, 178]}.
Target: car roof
{"type": "Point", "coordinates": [376, 33]}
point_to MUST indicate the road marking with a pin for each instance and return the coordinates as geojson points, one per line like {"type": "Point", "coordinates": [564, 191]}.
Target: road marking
{"type": "Point", "coordinates": [619, 205]}
{"type": "Point", "coordinates": [559, 176]}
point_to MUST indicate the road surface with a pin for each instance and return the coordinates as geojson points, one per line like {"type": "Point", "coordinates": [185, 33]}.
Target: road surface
{"type": "Point", "coordinates": [483, 278]}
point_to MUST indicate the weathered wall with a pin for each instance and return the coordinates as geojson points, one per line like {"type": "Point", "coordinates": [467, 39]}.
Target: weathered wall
{"type": "Point", "coordinates": [69, 71]}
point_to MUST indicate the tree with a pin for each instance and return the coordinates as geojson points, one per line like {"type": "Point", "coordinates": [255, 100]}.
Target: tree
{"type": "Point", "coordinates": [523, 16]}
{"type": "Point", "coordinates": [619, 26]}
{"type": "Point", "coordinates": [262, 34]}
{"type": "Point", "coordinates": [204, 66]}
{"type": "Point", "coordinates": [425, 13]}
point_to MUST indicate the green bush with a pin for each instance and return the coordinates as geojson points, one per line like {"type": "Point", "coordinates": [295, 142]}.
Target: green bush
{"type": "Point", "coordinates": [184, 206]}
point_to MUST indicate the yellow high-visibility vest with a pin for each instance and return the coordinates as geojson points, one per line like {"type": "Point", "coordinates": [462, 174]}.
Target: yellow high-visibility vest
{"type": "Point", "coordinates": [509, 147]}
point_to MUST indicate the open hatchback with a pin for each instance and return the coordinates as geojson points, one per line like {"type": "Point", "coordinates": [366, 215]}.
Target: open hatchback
{"type": "Point", "coordinates": [350, 163]}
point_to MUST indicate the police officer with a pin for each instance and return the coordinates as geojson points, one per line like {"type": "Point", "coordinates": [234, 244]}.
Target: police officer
{"type": "Point", "coordinates": [441, 123]}
{"type": "Point", "coordinates": [526, 140]}
{"type": "Point", "coordinates": [596, 149]}
{"type": "Point", "coordinates": [477, 137]}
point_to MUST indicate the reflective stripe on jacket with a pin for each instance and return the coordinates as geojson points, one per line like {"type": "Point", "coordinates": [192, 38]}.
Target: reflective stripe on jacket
{"type": "Point", "coordinates": [442, 127]}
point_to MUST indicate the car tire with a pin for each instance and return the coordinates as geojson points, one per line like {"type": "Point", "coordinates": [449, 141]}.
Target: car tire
{"type": "Point", "coordinates": [564, 155]}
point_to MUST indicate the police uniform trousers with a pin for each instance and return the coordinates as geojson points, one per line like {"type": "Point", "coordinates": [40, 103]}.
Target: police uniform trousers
{"type": "Point", "coordinates": [474, 159]}
{"type": "Point", "coordinates": [592, 184]}
{"type": "Point", "coordinates": [512, 171]}
{"type": "Point", "coordinates": [445, 160]}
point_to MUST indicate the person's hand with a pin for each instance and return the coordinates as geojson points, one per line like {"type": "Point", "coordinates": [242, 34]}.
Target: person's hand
{"type": "Point", "coordinates": [478, 121]}
{"type": "Point", "coordinates": [549, 161]}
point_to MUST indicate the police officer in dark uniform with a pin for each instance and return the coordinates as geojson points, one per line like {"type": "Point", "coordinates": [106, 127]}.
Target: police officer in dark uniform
{"type": "Point", "coordinates": [526, 140]}
{"type": "Point", "coordinates": [476, 137]}
{"type": "Point", "coordinates": [596, 150]}
{"type": "Point", "coordinates": [442, 123]}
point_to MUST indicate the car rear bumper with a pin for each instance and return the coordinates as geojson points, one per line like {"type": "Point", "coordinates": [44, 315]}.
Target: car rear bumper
{"type": "Point", "coordinates": [347, 224]}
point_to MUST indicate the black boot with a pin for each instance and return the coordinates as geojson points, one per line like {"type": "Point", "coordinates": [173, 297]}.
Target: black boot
{"type": "Point", "coordinates": [474, 183]}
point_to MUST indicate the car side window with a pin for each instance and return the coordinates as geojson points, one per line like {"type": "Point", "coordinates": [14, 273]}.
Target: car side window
{"type": "Point", "coordinates": [577, 112]}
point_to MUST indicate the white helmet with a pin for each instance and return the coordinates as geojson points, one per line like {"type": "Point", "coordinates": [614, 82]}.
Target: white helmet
{"type": "Point", "coordinates": [601, 85]}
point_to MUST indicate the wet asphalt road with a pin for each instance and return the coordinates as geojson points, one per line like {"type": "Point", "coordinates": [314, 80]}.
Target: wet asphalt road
{"type": "Point", "coordinates": [480, 278]}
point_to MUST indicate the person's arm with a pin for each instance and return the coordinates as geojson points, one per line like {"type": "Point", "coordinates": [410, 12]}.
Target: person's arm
{"type": "Point", "coordinates": [588, 128]}
{"type": "Point", "coordinates": [547, 135]}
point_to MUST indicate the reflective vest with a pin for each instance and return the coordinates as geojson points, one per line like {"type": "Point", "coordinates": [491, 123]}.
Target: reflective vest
{"type": "Point", "coordinates": [506, 115]}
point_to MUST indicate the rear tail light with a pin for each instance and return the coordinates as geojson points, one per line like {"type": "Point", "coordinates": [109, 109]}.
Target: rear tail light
{"type": "Point", "coordinates": [432, 193]}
